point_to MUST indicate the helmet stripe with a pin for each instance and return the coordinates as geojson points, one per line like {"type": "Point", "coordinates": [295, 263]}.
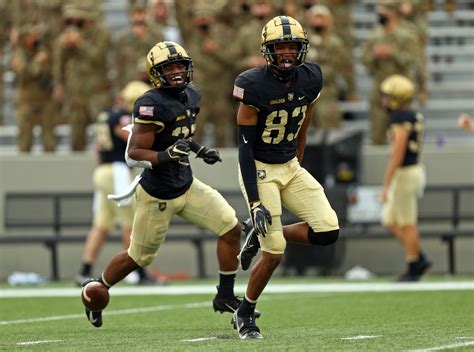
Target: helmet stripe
{"type": "Point", "coordinates": [171, 48]}
{"type": "Point", "coordinates": [285, 22]}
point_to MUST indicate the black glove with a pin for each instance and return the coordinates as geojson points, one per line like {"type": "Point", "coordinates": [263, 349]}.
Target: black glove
{"type": "Point", "coordinates": [209, 155]}
{"type": "Point", "coordinates": [177, 152]}
{"type": "Point", "coordinates": [259, 214]}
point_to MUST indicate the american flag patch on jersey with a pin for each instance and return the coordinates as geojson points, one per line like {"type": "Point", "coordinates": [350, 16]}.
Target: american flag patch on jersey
{"type": "Point", "coordinates": [238, 92]}
{"type": "Point", "coordinates": [146, 110]}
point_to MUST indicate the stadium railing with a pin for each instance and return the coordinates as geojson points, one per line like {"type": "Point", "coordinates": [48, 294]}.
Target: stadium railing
{"type": "Point", "coordinates": [55, 218]}
{"type": "Point", "coordinates": [445, 212]}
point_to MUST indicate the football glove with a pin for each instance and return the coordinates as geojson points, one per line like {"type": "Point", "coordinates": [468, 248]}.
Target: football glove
{"type": "Point", "coordinates": [260, 215]}
{"type": "Point", "coordinates": [178, 152]}
{"type": "Point", "coordinates": [209, 155]}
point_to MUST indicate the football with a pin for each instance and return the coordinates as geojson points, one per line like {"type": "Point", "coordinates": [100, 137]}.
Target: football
{"type": "Point", "coordinates": [95, 296]}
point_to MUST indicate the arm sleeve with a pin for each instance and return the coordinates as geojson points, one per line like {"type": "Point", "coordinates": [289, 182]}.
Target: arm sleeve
{"type": "Point", "coordinates": [247, 136]}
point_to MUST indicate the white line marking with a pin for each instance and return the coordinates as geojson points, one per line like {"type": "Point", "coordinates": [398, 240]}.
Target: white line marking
{"type": "Point", "coordinates": [446, 347]}
{"type": "Point", "coordinates": [466, 337]}
{"type": "Point", "coordinates": [361, 337]}
{"type": "Point", "coordinates": [112, 312]}
{"type": "Point", "coordinates": [271, 288]}
{"type": "Point", "coordinates": [37, 342]}
{"type": "Point", "coordinates": [200, 339]}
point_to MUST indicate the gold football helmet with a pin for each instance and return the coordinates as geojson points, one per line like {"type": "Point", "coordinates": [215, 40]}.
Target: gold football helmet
{"type": "Point", "coordinates": [283, 29]}
{"type": "Point", "coordinates": [162, 54]}
{"type": "Point", "coordinates": [399, 89]}
{"type": "Point", "coordinates": [132, 91]}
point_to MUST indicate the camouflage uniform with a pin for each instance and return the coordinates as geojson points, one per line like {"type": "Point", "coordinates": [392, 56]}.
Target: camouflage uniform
{"type": "Point", "coordinates": [247, 42]}
{"type": "Point", "coordinates": [402, 60]}
{"type": "Point", "coordinates": [81, 69]}
{"type": "Point", "coordinates": [213, 60]}
{"type": "Point", "coordinates": [342, 14]}
{"type": "Point", "coordinates": [130, 49]}
{"type": "Point", "coordinates": [5, 15]}
{"type": "Point", "coordinates": [417, 22]}
{"type": "Point", "coordinates": [328, 51]}
{"type": "Point", "coordinates": [32, 66]}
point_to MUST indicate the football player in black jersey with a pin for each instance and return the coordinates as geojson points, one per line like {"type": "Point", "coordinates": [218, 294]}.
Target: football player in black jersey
{"type": "Point", "coordinates": [276, 104]}
{"type": "Point", "coordinates": [111, 173]}
{"type": "Point", "coordinates": [404, 176]}
{"type": "Point", "coordinates": [164, 120]}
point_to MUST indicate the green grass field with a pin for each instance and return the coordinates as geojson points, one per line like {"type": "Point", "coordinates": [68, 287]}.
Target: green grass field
{"type": "Point", "coordinates": [393, 320]}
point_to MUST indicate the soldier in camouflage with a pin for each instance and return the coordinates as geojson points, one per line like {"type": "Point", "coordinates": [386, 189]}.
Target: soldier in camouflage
{"type": "Point", "coordinates": [329, 52]}
{"type": "Point", "coordinates": [80, 69]}
{"type": "Point", "coordinates": [132, 44]}
{"type": "Point", "coordinates": [390, 49]}
{"type": "Point", "coordinates": [31, 63]}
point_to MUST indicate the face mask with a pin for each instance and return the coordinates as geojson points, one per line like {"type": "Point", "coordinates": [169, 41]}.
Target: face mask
{"type": "Point", "coordinates": [245, 7]}
{"type": "Point", "coordinates": [319, 29]}
{"type": "Point", "coordinates": [383, 19]}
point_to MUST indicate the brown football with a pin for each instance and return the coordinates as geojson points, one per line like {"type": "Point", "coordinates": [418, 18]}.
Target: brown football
{"type": "Point", "coordinates": [95, 296]}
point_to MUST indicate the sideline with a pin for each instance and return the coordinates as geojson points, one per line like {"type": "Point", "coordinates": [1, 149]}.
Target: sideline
{"type": "Point", "coordinates": [271, 288]}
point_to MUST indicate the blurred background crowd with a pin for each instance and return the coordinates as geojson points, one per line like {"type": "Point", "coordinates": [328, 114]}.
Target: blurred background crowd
{"type": "Point", "coordinates": [66, 60]}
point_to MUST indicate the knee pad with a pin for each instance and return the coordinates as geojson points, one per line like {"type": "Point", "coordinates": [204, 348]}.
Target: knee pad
{"type": "Point", "coordinates": [322, 238]}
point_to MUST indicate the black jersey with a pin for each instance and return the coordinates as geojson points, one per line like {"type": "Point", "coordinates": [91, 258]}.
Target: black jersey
{"type": "Point", "coordinates": [415, 124]}
{"type": "Point", "coordinates": [111, 147]}
{"type": "Point", "coordinates": [281, 109]}
{"type": "Point", "coordinates": [176, 118]}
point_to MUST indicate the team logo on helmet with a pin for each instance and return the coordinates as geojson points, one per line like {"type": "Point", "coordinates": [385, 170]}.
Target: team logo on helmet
{"type": "Point", "coordinates": [162, 54]}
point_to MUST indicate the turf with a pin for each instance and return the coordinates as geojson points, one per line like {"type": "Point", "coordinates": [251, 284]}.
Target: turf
{"type": "Point", "coordinates": [396, 321]}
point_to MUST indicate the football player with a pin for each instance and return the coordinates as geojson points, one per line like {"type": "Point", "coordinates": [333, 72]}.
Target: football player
{"type": "Point", "coordinates": [164, 120]}
{"type": "Point", "coordinates": [276, 106]}
{"type": "Point", "coordinates": [404, 175]}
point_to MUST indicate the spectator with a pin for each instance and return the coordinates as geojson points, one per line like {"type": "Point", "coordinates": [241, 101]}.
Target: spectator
{"type": "Point", "coordinates": [214, 68]}
{"type": "Point", "coordinates": [328, 51]}
{"type": "Point", "coordinates": [262, 11]}
{"type": "Point", "coordinates": [31, 63]}
{"type": "Point", "coordinates": [390, 49]}
{"type": "Point", "coordinates": [414, 18]}
{"type": "Point", "coordinates": [341, 11]}
{"type": "Point", "coordinates": [80, 70]}
{"type": "Point", "coordinates": [161, 22]}
{"type": "Point", "coordinates": [132, 44]}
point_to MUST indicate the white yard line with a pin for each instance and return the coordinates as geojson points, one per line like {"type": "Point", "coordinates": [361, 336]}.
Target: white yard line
{"type": "Point", "coordinates": [361, 337]}
{"type": "Point", "coordinates": [109, 312]}
{"type": "Point", "coordinates": [272, 288]}
{"type": "Point", "coordinates": [445, 347]}
{"type": "Point", "coordinates": [27, 343]}
{"type": "Point", "coordinates": [199, 339]}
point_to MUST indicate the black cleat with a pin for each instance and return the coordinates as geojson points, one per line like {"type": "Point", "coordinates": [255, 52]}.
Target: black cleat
{"type": "Point", "coordinates": [422, 265]}
{"type": "Point", "coordinates": [407, 277]}
{"type": "Point", "coordinates": [246, 327]}
{"type": "Point", "coordinates": [95, 318]}
{"type": "Point", "coordinates": [251, 245]}
{"type": "Point", "coordinates": [228, 304]}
